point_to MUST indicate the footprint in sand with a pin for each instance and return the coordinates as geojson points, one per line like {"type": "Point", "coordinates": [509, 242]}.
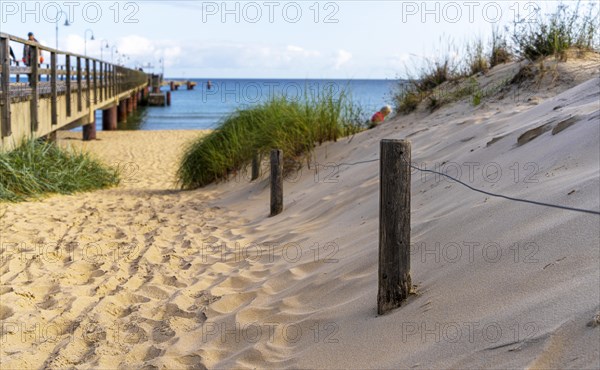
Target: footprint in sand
{"type": "Point", "coordinates": [48, 303]}
{"type": "Point", "coordinates": [154, 292]}
{"type": "Point", "coordinates": [192, 362]}
{"type": "Point", "coordinates": [162, 332]}
{"type": "Point", "coordinates": [153, 353]}
{"type": "Point", "coordinates": [5, 312]}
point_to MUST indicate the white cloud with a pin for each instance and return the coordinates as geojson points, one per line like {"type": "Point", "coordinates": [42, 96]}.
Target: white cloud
{"type": "Point", "coordinates": [136, 46]}
{"type": "Point", "coordinates": [230, 57]}
{"type": "Point", "coordinates": [342, 57]}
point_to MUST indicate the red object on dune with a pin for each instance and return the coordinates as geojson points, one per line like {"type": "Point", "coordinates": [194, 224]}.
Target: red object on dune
{"type": "Point", "coordinates": [378, 117]}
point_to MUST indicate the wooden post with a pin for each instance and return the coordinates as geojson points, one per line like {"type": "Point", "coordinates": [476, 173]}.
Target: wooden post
{"type": "Point", "coordinates": [5, 127]}
{"type": "Point", "coordinates": [89, 130]}
{"type": "Point", "coordinates": [33, 83]}
{"type": "Point", "coordinates": [109, 118]}
{"type": "Point", "coordinates": [276, 182]}
{"type": "Point", "coordinates": [394, 225]}
{"type": "Point", "coordinates": [79, 86]}
{"type": "Point", "coordinates": [106, 82]}
{"type": "Point", "coordinates": [255, 167]}
{"type": "Point", "coordinates": [168, 98]}
{"type": "Point", "coordinates": [114, 80]}
{"type": "Point", "coordinates": [100, 80]}
{"type": "Point", "coordinates": [68, 83]}
{"type": "Point", "coordinates": [53, 89]}
{"type": "Point", "coordinates": [95, 72]}
{"type": "Point", "coordinates": [88, 85]}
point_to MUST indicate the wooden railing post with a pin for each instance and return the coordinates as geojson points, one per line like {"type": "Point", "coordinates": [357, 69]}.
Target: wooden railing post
{"type": "Point", "coordinates": [95, 84]}
{"type": "Point", "coordinates": [276, 182]}
{"type": "Point", "coordinates": [106, 81]}
{"type": "Point", "coordinates": [33, 83]}
{"type": "Point", "coordinates": [101, 89]}
{"type": "Point", "coordinates": [79, 86]}
{"type": "Point", "coordinates": [114, 80]}
{"type": "Point", "coordinates": [53, 88]}
{"type": "Point", "coordinates": [5, 127]}
{"type": "Point", "coordinates": [68, 83]}
{"type": "Point", "coordinates": [88, 83]}
{"type": "Point", "coordinates": [394, 225]}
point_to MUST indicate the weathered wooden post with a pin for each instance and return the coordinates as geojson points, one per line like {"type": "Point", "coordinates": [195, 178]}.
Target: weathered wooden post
{"type": "Point", "coordinates": [53, 90]}
{"type": "Point", "coordinates": [79, 86]}
{"type": "Point", "coordinates": [68, 84]}
{"type": "Point", "coordinates": [394, 225]}
{"type": "Point", "coordinates": [5, 126]}
{"type": "Point", "coordinates": [33, 83]}
{"type": "Point", "coordinates": [88, 85]}
{"type": "Point", "coordinates": [276, 182]}
{"type": "Point", "coordinates": [255, 167]}
{"type": "Point", "coordinates": [168, 98]}
{"type": "Point", "coordinates": [95, 81]}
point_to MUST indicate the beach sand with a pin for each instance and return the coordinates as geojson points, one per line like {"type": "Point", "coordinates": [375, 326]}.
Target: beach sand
{"type": "Point", "coordinates": [144, 275]}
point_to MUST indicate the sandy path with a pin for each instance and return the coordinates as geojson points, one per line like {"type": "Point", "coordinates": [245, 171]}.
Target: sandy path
{"type": "Point", "coordinates": [107, 278]}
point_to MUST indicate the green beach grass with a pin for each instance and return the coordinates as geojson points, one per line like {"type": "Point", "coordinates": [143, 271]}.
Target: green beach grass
{"type": "Point", "coordinates": [570, 27]}
{"type": "Point", "coordinates": [37, 168]}
{"type": "Point", "coordinates": [295, 126]}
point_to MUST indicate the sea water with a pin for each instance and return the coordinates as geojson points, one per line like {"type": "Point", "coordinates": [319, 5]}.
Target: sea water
{"type": "Point", "coordinates": [204, 108]}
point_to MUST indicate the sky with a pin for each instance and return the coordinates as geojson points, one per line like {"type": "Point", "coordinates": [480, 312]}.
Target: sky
{"type": "Point", "coordinates": [266, 39]}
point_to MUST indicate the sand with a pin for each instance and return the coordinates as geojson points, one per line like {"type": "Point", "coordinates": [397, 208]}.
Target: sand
{"type": "Point", "coordinates": [145, 275]}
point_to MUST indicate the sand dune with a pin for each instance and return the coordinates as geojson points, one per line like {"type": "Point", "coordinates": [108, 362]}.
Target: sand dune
{"type": "Point", "coordinates": [144, 275]}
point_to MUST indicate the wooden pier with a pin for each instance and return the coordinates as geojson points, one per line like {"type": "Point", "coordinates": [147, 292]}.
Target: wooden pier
{"type": "Point", "coordinates": [65, 94]}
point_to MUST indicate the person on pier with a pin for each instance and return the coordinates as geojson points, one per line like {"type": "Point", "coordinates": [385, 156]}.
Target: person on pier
{"type": "Point", "coordinates": [28, 51]}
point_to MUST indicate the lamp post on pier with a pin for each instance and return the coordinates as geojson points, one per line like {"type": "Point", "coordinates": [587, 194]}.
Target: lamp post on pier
{"type": "Point", "coordinates": [85, 39]}
{"type": "Point", "coordinates": [58, 16]}
{"type": "Point", "coordinates": [113, 50]}
{"type": "Point", "coordinates": [102, 42]}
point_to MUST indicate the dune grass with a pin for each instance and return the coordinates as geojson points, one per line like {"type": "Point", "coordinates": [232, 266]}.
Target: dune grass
{"type": "Point", "coordinates": [570, 27]}
{"type": "Point", "coordinates": [295, 126]}
{"type": "Point", "coordinates": [37, 168]}
{"type": "Point", "coordinates": [552, 35]}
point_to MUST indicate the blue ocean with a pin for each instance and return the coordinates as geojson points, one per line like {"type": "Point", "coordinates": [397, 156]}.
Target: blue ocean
{"type": "Point", "coordinates": [203, 108]}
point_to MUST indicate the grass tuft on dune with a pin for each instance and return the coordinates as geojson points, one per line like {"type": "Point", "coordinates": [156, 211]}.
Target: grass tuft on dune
{"type": "Point", "coordinates": [37, 168]}
{"type": "Point", "coordinates": [570, 27]}
{"type": "Point", "coordinates": [295, 126]}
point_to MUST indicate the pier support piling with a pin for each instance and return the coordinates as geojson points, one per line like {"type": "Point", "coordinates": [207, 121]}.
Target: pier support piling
{"type": "Point", "coordinates": [122, 111]}
{"type": "Point", "coordinates": [168, 98]}
{"type": "Point", "coordinates": [129, 105]}
{"type": "Point", "coordinates": [109, 118]}
{"type": "Point", "coordinates": [89, 130]}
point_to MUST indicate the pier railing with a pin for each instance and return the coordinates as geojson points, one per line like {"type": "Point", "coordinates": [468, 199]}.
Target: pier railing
{"type": "Point", "coordinates": [63, 89]}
